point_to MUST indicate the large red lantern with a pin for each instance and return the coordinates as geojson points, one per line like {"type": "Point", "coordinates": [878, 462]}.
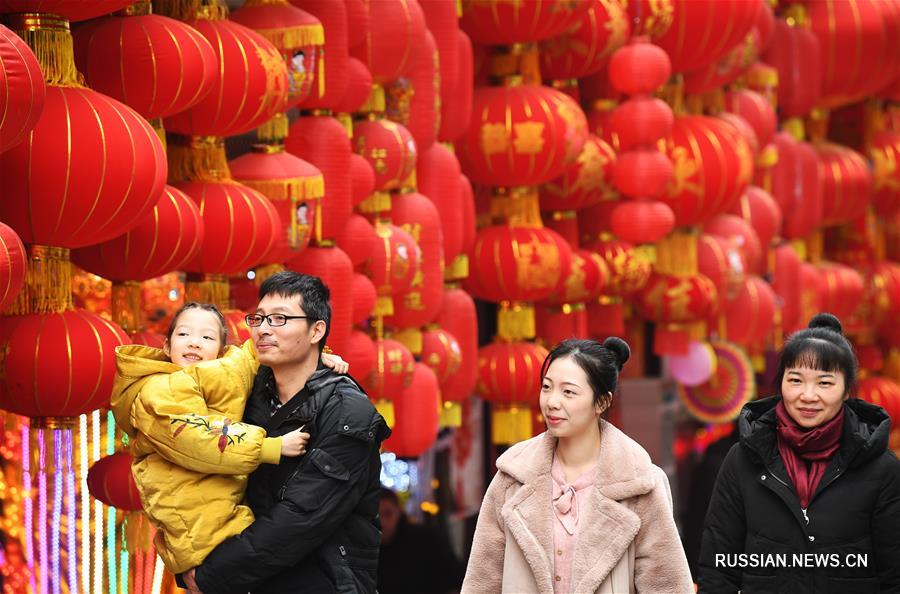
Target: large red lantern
{"type": "Point", "coordinates": [293, 186]}
{"type": "Point", "coordinates": [794, 52]}
{"type": "Point", "coordinates": [110, 480]}
{"type": "Point", "coordinates": [333, 266]}
{"type": "Point", "coordinates": [330, 77]}
{"type": "Point", "coordinates": [521, 135]}
{"type": "Point", "coordinates": [389, 148]}
{"type": "Point", "coordinates": [396, 31]}
{"type": "Point", "coordinates": [61, 193]}
{"type": "Point", "coordinates": [585, 47]}
{"type": "Point", "coordinates": [163, 241]}
{"type": "Point", "coordinates": [712, 165]}
{"type": "Point", "coordinates": [296, 34]}
{"type": "Point", "coordinates": [786, 277]}
{"type": "Point", "coordinates": [322, 141]}
{"type": "Point", "coordinates": [497, 22]}
{"type": "Point", "coordinates": [884, 151]}
{"type": "Point", "coordinates": [457, 111]}
{"type": "Point", "coordinates": [13, 264]}
{"type": "Point", "coordinates": [437, 172]}
{"type": "Point", "coordinates": [24, 91]}
{"type": "Point", "coordinates": [414, 99]}
{"type": "Point", "coordinates": [726, 69]}
{"type": "Point", "coordinates": [585, 182]}
{"type": "Point", "coordinates": [797, 186]}
{"type": "Point", "coordinates": [44, 376]}
{"type": "Point", "coordinates": [245, 61]}
{"type": "Point", "coordinates": [362, 183]}
{"type": "Point", "coordinates": [359, 86]}
{"type": "Point", "coordinates": [240, 227]}
{"type": "Point", "coordinates": [846, 183]}
{"type": "Point", "coordinates": [416, 414]}
{"type": "Point", "coordinates": [156, 65]}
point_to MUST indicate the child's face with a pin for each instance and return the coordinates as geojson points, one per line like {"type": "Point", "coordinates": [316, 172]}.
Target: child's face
{"type": "Point", "coordinates": [197, 337]}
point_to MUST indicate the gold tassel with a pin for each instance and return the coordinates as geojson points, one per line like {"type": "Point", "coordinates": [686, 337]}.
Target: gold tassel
{"type": "Point", "coordinates": [519, 61]}
{"type": "Point", "coordinates": [126, 306]}
{"type": "Point", "coordinates": [275, 130]}
{"type": "Point", "coordinates": [289, 188]}
{"type": "Point", "coordinates": [510, 424]}
{"type": "Point", "coordinates": [49, 38]}
{"type": "Point", "coordinates": [817, 125]}
{"type": "Point", "coordinates": [384, 305]}
{"type": "Point", "coordinates": [673, 93]}
{"type": "Point", "coordinates": [451, 415]}
{"type": "Point", "coordinates": [207, 288]}
{"type": "Point", "coordinates": [458, 269]}
{"type": "Point", "coordinates": [517, 207]}
{"type": "Point", "coordinates": [796, 16]}
{"type": "Point", "coordinates": [375, 102]}
{"type": "Point", "coordinates": [292, 38]}
{"type": "Point", "coordinates": [515, 321]}
{"type": "Point", "coordinates": [139, 8]}
{"type": "Point", "coordinates": [676, 254]}
{"type": "Point", "coordinates": [264, 272]}
{"type": "Point", "coordinates": [795, 127]}
{"type": "Point", "coordinates": [159, 128]}
{"type": "Point", "coordinates": [197, 158]}
{"type": "Point", "coordinates": [320, 76]}
{"type": "Point", "coordinates": [347, 121]}
{"type": "Point", "coordinates": [378, 202]}
{"type": "Point", "coordinates": [186, 10]}
{"type": "Point", "coordinates": [411, 338]}
{"type": "Point", "coordinates": [386, 409]}
{"type": "Point", "coordinates": [48, 282]}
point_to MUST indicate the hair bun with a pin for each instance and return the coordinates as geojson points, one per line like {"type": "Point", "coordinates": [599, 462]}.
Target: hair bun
{"type": "Point", "coordinates": [826, 320]}
{"type": "Point", "coordinates": [619, 348]}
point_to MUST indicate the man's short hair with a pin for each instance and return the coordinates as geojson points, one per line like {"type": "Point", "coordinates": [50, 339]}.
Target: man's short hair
{"type": "Point", "coordinates": [312, 292]}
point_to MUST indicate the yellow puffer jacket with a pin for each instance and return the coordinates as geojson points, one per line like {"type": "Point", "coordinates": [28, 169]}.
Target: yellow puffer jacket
{"type": "Point", "coordinates": [191, 453]}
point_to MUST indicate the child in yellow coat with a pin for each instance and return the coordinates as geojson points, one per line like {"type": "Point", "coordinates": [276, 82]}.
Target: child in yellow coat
{"type": "Point", "coordinates": [181, 407]}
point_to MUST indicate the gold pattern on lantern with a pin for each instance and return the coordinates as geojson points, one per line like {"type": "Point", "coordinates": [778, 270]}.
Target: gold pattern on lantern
{"type": "Point", "coordinates": [684, 169]}
{"type": "Point", "coordinates": [537, 264]}
{"type": "Point", "coordinates": [48, 282]}
{"type": "Point", "coordinates": [494, 139]}
{"type": "Point", "coordinates": [885, 162]}
{"type": "Point", "coordinates": [529, 137]}
{"type": "Point", "coordinates": [662, 14]}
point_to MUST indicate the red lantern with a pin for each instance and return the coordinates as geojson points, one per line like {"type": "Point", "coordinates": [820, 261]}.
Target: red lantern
{"type": "Point", "coordinates": [441, 352]}
{"type": "Point", "coordinates": [842, 289]}
{"type": "Point", "coordinates": [885, 393]}
{"type": "Point", "coordinates": [458, 317]}
{"type": "Point", "coordinates": [884, 151]}
{"type": "Point", "coordinates": [357, 22]}
{"type": "Point", "coordinates": [389, 148]}
{"type": "Point", "coordinates": [394, 265]}
{"type": "Point", "coordinates": [786, 279]}
{"type": "Point", "coordinates": [510, 372]}
{"type": "Point", "coordinates": [640, 121]}
{"type": "Point", "coordinates": [358, 240]}
{"type": "Point", "coordinates": [846, 183]}
{"type": "Point", "coordinates": [726, 69]}
{"type": "Point", "coordinates": [238, 331]}
{"type": "Point", "coordinates": [639, 67]}
{"type": "Point", "coordinates": [294, 188]}
{"type": "Point", "coordinates": [756, 110]}
{"type": "Point", "coordinates": [585, 182]}
{"type": "Point", "coordinates": [642, 172]}
{"type": "Point", "coordinates": [147, 338]}
{"type": "Point", "coordinates": [515, 264]}
{"type": "Point", "coordinates": [73, 10]}
{"type": "Point", "coordinates": [396, 30]}
{"type": "Point", "coordinates": [44, 376]}
{"type": "Point", "coordinates": [87, 192]}
{"type": "Point", "coordinates": [676, 304]}
{"type": "Point", "coordinates": [110, 480]}
{"type": "Point", "coordinates": [796, 186]}
{"type": "Point", "coordinates": [883, 295]}
{"type": "Point", "coordinates": [331, 75]}
{"type": "Point", "coordinates": [437, 172]}
{"type": "Point", "coordinates": [322, 141]}
{"type": "Point", "coordinates": [741, 234]}
{"type": "Point", "coordinates": [416, 411]}
{"type": "Point", "coordinates": [297, 35]}
{"type": "Point", "coordinates": [721, 261]}
{"type": "Point", "coordinates": [522, 135]}
{"type": "Point", "coordinates": [585, 47]}
{"type": "Point", "coordinates": [24, 91]}
{"type": "Point", "coordinates": [417, 306]}
{"type": "Point", "coordinates": [240, 227]}
{"type": "Point", "coordinates": [496, 22]}
{"type": "Point", "coordinates": [13, 265]}
{"type": "Point", "coordinates": [362, 182]}
{"type": "Point", "coordinates": [628, 272]}
{"type": "Point", "coordinates": [245, 61]}
{"type": "Point", "coordinates": [467, 205]}
{"type": "Point", "coordinates": [156, 65]}
{"type": "Point", "coordinates": [457, 110]}
{"type": "Point", "coordinates": [586, 280]}
{"type": "Point", "coordinates": [364, 296]}
{"type": "Point", "coordinates": [762, 212]}
{"type": "Point", "coordinates": [442, 22]}
{"type": "Point", "coordinates": [333, 266]}
{"type": "Point", "coordinates": [394, 366]}
{"type": "Point", "coordinates": [712, 165]}
{"type": "Point", "coordinates": [642, 221]}
{"type": "Point", "coordinates": [555, 324]}
{"type": "Point", "coordinates": [414, 99]}
{"type": "Point", "coordinates": [359, 85]}
{"type": "Point", "coordinates": [750, 315]}
{"type": "Point", "coordinates": [163, 241]}
{"type": "Point", "coordinates": [794, 52]}
{"type": "Point", "coordinates": [360, 354]}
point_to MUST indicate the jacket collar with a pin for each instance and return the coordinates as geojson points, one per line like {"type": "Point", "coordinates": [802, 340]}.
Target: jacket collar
{"type": "Point", "coordinates": [624, 470]}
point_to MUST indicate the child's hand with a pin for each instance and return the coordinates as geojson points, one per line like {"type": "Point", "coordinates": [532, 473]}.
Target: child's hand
{"type": "Point", "coordinates": [294, 443]}
{"type": "Point", "coordinates": [335, 362]}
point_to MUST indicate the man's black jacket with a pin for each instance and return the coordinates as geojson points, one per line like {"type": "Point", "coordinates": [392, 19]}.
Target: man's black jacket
{"type": "Point", "coordinates": [316, 527]}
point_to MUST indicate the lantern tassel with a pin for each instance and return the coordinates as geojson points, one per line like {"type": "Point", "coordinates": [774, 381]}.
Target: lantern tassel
{"type": "Point", "coordinates": [197, 158]}
{"type": "Point", "coordinates": [292, 38]}
{"type": "Point", "coordinates": [515, 321]}
{"type": "Point", "coordinates": [386, 409]}
{"type": "Point", "coordinates": [510, 424]}
{"type": "Point", "coordinates": [411, 338]}
{"type": "Point", "coordinates": [275, 130]}
{"type": "Point", "coordinates": [126, 306]}
{"type": "Point", "coordinates": [458, 269]}
{"type": "Point", "coordinates": [186, 10]}
{"type": "Point", "coordinates": [48, 282]}
{"type": "Point", "coordinates": [207, 288]}
{"type": "Point", "coordinates": [451, 415]}
{"type": "Point", "coordinates": [50, 39]}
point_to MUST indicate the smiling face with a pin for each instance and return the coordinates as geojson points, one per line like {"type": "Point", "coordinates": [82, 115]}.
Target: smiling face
{"type": "Point", "coordinates": [812, 396]}
{"type": "Point", "coordinates": [196, 336]}
{"type": "Point", "coordinates": [567, 400]}
{"type": "Point", "coordinates": [292, 343]}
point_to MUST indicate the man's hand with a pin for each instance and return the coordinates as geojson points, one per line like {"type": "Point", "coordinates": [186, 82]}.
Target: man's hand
{"type": "Point", "coordinates": [294, 443]}
{"type": "Point", "coordinates": [191, 582]}
{"type": "Point", "coordinates": [335, 362]}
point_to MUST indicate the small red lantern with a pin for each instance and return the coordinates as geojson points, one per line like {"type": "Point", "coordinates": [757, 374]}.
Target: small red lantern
{"type": "Point", "coordinates": [331, 75]}
{"type": "Point", "coordinates": [640, 121]}
{"type": "Point", "coordinates": [642, 172]}
{"type": "Point", "coordinates": [586, 280]}
{"type": "Point", "coordinates": [796, 186]}
{"type": "Point", "coordinates": [642, 221]}
{"type": "Point", "coordinates": [163, 241]}
{"type": "Point", "coordinates": [389, 148]}
{"type": "Point", "coordinates": [110, 480]}
{"type": "Point", "coordinates": [394, 265]}
{"type": "Point", "coordinates": [13, 265]}
{"type": "Point", "coordinates": [443, 23]}
{"type": "Point", "coordinates": [756, 110]}
{"type": "Point", "coordinates": [414, 99]}
{"type": "Point", "coordinates": [742, 235]}
{"type": "Point", "coordinates": [585, 47]}
{"type": "Point", "coordinates": [842, 289]}
{"type": "Point", "coordinates": [437, 172]}
{"type": "Point", "coordinates": [156, 65]}
{"type": "Point", "coordinates": [884, 151]}
{"type": "Point", "coordinates": [441, 352]}
{"type": "Point", "coordinates": [24, 91]}
{"type": "Point", "coordinates": [497, 22]}
{"type": "Point", "coordinates": [358, 240]}
{"type": "Point", "coordinates": [786, 278]}
{"type": "Point", "coordinates": [394, 366]}
{"type": "Point", "coordinates": [846, 183]}
{"type": "Point", "coordinates": [456, 112]}
{"type": "Point", "coordinates": [585, 182]}
{"type": "Point", "coordinates": [458, 317]}
{"type": "Point", "coordinates": [359, 86]}
{"type": "Point", "coordinates": [521, 135]}
{"type": "Point", "coordinates": [416, 414]}
{"type": "Point", "coordinates": [364, 297]}
{"type": "Point", "coordinates": [677, 304]}
{"type": "Point", "coordinates": [721, 261]}
{"type": "Point", "coordinates": [639, 67]}
{"type": "Point", "coordinates": [333, 266]}
{"type": "Point", "coordinates": [750, 315]}
{"type": "Point", "coordinates": [761, 211]}
{"type": "Point", "coordinates": [360, 355]}
{"type": "Point", "coordinates": [396, 31]}
{"type": "Point", "coordinates": [44, 376]}
{"type": "Point", "coordinates": [362, 182]}
{"type": "Point", "coordinates": [794, 52]}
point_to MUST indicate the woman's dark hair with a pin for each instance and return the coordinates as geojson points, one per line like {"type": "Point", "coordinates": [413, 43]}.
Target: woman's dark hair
{"type": "Point", "coordinates": [311, 292]}
{"type": "Point", "coordinates": [820, 346]}
{"type": "Point", "coordinates": [223, 327]}
{"type": "Point", "coordinates": [600, 362]}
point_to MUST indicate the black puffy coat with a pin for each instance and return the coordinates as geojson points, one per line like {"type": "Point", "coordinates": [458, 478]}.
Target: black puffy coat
{"type": "Point", "coordinates": [854, 513]}
{"type": "Point", "coordinates": [317, 527]}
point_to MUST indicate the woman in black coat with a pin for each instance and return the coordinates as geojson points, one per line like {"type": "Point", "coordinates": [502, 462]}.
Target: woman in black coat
{"type": "Point", "coordinates": [809, 500]}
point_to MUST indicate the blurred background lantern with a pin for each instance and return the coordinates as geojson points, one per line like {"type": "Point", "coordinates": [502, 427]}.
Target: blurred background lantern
{"type": "Point", "coordinates": [331, 74]}
{"type": "Point", "coordinates": [437, 174]}
{"type": "Point", "coordinates": [496, 22]}
{"type": "Point", "coordinates": [110, 480]}
{"type": "Point", "coordinates": [884, 151]}
{"type": "Point", "coordinates": [416, 414]}
{"type": "Point", "coordinates": [364, 296]}
{"type": "Point", "coordinates": [396, 32]}
{"type": "Point", "coordinates": [457, 110]}
{"type": "Point", "coordinates": [358, 240]}
{"type": "Point", "coordinates": [585, 46]}
{"type": "Point", "coordinates": [797, 186]}
{"type": "Point", "coordinates": [794, 52]}
{"type": "Point", "coordinates": [457, 316]}
{"type": "Point", "coordinates": [846, 182]}
{"type": "Point", "coordinates": [394, 266]}
{"type": "Point", "coordinates": [333, 266]}
{"type": "Point", "coordinates": [393, 373]}
{"type": "Point", "coordinates": [13, 266]}
{"type": "Point", "coordinates": [583, 183]}
{"type": "Point", "coordinates": [414, 99]}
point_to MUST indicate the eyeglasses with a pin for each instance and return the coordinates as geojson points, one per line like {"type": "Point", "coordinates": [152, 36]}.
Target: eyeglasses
{"type": "Point", "coordinates": [256, 320]}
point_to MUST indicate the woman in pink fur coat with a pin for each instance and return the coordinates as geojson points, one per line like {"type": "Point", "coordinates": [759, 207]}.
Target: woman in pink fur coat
{"type": "Point", "coordinates": [579, 508]}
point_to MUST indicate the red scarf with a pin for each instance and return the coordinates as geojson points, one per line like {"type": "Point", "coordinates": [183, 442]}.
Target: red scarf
{"type": "Point", "coordinates": [799, 446]}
